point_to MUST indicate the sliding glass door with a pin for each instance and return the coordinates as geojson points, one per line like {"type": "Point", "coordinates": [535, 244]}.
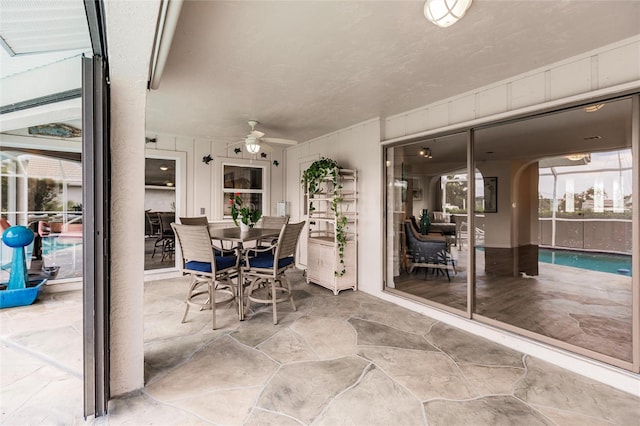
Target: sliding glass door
{"type": "Point", "coordinates": [555, 257]}
{"type": "Point", "coordinates": [426, 211]}
{"type": "Point", "coordinates": [540, 234]}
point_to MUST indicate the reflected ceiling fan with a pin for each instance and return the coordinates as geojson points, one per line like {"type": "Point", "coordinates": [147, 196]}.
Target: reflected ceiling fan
{"type": "Point", "coordinates": [255, 140]}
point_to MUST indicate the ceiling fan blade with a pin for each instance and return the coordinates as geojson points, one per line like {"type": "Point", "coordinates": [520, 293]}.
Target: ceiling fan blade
{"type": "Point", "coordinates": [232, 144]}
{"type": "Point", "coordinates": [279, 141]}
{"type": "Point", "coordinates": [256, 134]}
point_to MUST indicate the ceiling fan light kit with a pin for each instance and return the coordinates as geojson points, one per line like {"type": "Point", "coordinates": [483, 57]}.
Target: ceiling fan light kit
{"type": "Point", "coordinates": [253, 142]}
{"type": "Point", "coordinates": [252, 145]}
{"type": "Point", "coordinates": [445, 13]}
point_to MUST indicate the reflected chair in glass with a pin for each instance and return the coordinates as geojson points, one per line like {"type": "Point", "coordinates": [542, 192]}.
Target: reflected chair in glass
{"type": "Point", "coordinates": [167, 238]}
{"type": "Point", "coordinates": [268, 265]}
{"type": "Point", "coordinates": [153, 221]}
{"type": "Point", "coordinates": [211, 276]}
{"type": "Point", "coordinates": [426, 252]}
{"type": "Point", "coordinates": [463, 235]}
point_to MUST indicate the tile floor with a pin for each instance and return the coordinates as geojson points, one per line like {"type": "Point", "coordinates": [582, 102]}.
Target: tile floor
{"type": "Point", "coordinates": [351, 359]}
{"type": "Point", "coordinates": [588, 309]}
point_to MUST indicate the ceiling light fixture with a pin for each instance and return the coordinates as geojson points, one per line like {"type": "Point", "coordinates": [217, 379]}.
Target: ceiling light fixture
{"type": "Point", "coordinates": [426, 153]}
{"type": "Point", "coordinates": [164, 168]}
{"type": "Point", "coordinates": [593, 108]}
{"type": "Point", "coordinates": [252, 144]}
{"type": "Point", "coordinates": [576, 157]}
{"type": "Point", "coordinates": [444, 13]}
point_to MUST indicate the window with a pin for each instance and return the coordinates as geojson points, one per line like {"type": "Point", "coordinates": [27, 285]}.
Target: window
{"type": "Point", "coordinates": [44, 190]}
{"type": "Point", "coordinates": [246, 181]}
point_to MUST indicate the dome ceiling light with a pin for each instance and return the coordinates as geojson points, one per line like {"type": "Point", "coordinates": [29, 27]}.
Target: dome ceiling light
{"type": "Point", "coordinates": [252, 144]}
{"type": "Point", "coordinates": [576, 157]}
{"type": "Point", "coordinates": [445, 13]}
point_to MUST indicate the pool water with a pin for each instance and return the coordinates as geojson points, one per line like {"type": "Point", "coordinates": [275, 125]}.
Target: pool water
{"type": "Point", "coordinates": [603, 262]}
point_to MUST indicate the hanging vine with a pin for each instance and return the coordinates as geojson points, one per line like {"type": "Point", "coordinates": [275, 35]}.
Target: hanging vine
{"type": "Point", "coordinates": [312, 179]}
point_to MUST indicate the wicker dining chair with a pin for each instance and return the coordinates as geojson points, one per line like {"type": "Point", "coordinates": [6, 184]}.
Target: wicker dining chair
{"type": "Point", "coordinates": [210, 274]}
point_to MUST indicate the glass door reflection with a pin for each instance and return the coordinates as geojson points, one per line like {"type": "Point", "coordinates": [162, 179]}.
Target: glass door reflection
{"type": "Point", "coordinates": [426, 206]}
{"type": "Point", "coordinates": [553, 259]}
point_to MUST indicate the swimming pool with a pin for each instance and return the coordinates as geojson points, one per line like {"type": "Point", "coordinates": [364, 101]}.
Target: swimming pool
{"type": "Point", "coordinates": [603, 262]}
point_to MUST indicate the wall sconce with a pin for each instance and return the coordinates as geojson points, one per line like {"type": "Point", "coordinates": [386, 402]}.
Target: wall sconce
{"type": "Point", "coordinates": [426, 153]}
{"type": "Point", "coordinates": [207, 159]}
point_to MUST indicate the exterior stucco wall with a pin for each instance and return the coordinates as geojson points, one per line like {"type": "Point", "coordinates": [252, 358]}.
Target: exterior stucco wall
{"type": "Point", "coordinates": [129, 66]}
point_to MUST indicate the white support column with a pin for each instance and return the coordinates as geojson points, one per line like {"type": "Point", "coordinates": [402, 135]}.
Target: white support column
{"type": "Point", "coordinates": [130, 35]}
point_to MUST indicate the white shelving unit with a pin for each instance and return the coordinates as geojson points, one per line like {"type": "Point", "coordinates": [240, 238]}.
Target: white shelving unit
{"type": "Point", "coordinates": [323, 257]}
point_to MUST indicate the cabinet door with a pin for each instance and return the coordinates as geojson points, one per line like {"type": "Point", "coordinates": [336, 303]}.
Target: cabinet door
{"type": "Point", "coordinates": [321, 263]}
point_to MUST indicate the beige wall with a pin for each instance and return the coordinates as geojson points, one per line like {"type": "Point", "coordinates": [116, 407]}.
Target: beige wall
{"type": "Point", "coordinates": [356, 147]}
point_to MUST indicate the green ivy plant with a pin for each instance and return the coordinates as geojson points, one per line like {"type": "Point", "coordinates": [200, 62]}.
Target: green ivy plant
{"type": "Point", "coordinates": [312, 179]}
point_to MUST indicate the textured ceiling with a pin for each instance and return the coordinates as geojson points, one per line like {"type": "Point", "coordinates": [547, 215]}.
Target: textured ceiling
{"type": "Point", "coordinates": [304, 69]}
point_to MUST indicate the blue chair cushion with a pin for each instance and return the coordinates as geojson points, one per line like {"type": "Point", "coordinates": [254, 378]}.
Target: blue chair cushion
{"type": "Point", "coordinates": [222, 262]}
{"type": "Point", "coordinates": [265, 261]}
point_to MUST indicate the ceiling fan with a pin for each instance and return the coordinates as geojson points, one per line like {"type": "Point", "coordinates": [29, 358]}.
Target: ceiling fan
{"type": "Point", "coordinates": [255, 140]}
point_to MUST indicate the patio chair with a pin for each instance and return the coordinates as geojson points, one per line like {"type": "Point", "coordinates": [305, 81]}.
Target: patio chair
{"type": "Point", "coordinates": [268, 265]}
{"type": "Point", "coordinates": [153, 224]}
{"type": "Point", "coordinates": [271, 222]}
{"type": "Point", "coordinates": [210, 274]}
{"type": "Point", "coordinates": [463, 235]}
{"type": "Point", "coordinates": [199, 220]}
{"type": "Point", "coordinates": [167, 239]}
{"type": "Point", "coordinates": [426, 253]}
{"type": "Point", "coordinates": [202, 220]}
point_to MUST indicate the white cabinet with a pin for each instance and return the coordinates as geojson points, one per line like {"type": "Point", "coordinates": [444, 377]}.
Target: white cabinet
{"type": "Point", "coordinates": [327, 264]}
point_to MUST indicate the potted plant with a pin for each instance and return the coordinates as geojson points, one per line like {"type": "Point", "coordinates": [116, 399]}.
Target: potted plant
{"type": "Point", "coordinates": [244, 216]}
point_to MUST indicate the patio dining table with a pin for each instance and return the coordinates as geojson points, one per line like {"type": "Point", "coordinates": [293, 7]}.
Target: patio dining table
{"type": "Point", "coordinates": [238, 239]}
